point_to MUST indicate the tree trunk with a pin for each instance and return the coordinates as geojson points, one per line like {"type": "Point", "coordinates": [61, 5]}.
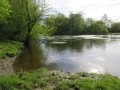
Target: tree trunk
{"type": "Point", "coordinates": [28, 25]}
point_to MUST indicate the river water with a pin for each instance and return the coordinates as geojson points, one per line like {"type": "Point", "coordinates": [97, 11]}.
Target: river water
{"type": "Point", "coordinates": [82, 53]}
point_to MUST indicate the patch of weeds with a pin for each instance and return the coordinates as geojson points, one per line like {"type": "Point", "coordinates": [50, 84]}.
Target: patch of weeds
{"type": "Point", "coordinates": [54, 79]}
{"type": "Point", "coordinates": [63, 86]}
{"type": "Point", "coordinates": [23, 80]}
{"type": "Point", "coordinates": [9, 48]}
{"type": "Point", "coordinates": [9, 82]}
{"type": "Point", "coordinates": [42, 78]}
{"type": "Point", "coordinates": [107, 82]}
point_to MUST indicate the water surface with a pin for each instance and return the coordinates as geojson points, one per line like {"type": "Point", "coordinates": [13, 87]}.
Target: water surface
{"type": "Point", "coordinates": [89, 53]}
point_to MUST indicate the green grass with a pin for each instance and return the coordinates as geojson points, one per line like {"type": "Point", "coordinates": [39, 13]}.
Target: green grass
{"type": "Point", "coordinates": [54, 80]}
{"type": "Point", "coordinates": [23, 80]}
{"type": "Point", "coordinates": [9, 48]}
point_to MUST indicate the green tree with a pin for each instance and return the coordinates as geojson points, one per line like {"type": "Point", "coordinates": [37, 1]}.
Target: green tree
{"type": "Point", "coordinates": [39, 29]}
{"type": "Point", "coordinates": [24, 16]}
{"type": "Point", "coordinates": [50, 22]}
{"type": "Point", "coordinates": [59, 22]}
{"type": "Point", "coordinates": [115, 28]}
{"type": "Point", "coordinates": [98, 27]}
{"type": "Point", "coordinates": [88, 23]}
{"type": "Point", "coordinates": [76, 24]}
{"type": "Point", "coordinates": [4, 14]}
{"type": "Point", "coordinates": [4, 10]}
{"type": "Point", "coordinates": [34, 13]}
{"type": "Point", "coordinates": [106, 20]}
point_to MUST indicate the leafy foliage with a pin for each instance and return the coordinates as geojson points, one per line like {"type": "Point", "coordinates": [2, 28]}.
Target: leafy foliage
{"type": "Point", "coordinates": [115, 28]}
{"type": "Point", "coordinates": [75, 24]}
{"type": "Point", "coordinates": [98, 27]}
{"type": "Point", "coordinates": [9, 48]}
{"type": "Point", "coordinates": [42, 30]}
{"type": "Point", "coordinates": [4, 10]}
{"type": "Point", "coordinates": [24, 16]}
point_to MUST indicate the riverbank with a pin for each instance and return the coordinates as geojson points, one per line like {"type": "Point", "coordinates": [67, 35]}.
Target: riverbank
{"type": "Point", "coordinates": [9, 49]}
{"type": "Point", "coordinates": [8, 52]}
{"type": "Point", "coordinates": [43, 79]}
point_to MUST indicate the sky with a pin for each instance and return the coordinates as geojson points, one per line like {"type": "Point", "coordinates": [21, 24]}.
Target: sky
{"type": "Point", "coordinates": [89, 8]}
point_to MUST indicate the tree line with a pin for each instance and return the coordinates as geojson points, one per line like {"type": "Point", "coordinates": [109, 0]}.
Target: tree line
{"type": "Point", "coordinates": [76, 24]}
{"type": "Point", "coordinates": [19, 19]}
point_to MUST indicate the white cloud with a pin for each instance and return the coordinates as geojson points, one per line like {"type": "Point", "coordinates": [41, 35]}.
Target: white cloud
{"type": "Point", "coordinates": [91, 8]}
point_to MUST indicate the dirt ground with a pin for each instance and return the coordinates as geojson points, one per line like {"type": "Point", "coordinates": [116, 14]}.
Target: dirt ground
{"type": "Point", "coordinates": [6, 66]}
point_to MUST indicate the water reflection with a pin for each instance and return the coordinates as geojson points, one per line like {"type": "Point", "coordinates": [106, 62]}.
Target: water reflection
{"type": "Point", "coordinates": [73, 45]}
{"type": "Point", "coordinates": [75, 55]}
{"type": "Point", "coordinates": [91, 53]}
{"type": "Point", "coordinates": [30, 58]}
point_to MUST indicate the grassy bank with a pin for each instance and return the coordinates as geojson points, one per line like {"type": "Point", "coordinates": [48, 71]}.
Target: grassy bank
{"type": "Point", "coordinates": [9, 48]}
{"type": "Point", "coordinates": [43, 79]}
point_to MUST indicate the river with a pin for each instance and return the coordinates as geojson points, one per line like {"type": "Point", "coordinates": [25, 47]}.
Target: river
{"type": "Point", "coordinates": [82, 53]}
